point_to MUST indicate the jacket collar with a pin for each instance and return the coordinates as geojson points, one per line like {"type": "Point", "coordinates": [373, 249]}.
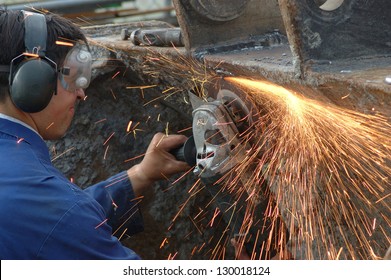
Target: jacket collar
{"type": "Point", "coordinates": [26, 134]}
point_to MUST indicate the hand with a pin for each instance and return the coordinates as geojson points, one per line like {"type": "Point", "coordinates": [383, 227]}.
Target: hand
{"type": "Point", "coordinates": [158, 163]}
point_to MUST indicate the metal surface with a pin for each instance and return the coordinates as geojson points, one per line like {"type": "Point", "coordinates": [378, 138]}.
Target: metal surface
{"type": "Point", "coordinates": [68, 6]}
{"type": "Point", "coordinates": [206, 24]}
{"type": "Point", "coordinates": [345, 30]}
{"type": "Point", "coordinates": [334, 42]}
{"type": "Point", "coordinates": [163, 37]}
{"type": "Point", "coordinates": [218, 10]}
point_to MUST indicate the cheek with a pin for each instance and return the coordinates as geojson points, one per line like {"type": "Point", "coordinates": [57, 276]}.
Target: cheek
{"type": "Point", "coordinates": [61, 102]}
{"type": "Point", "coordinates": [52, 112]}
{"type": "Point", "coordinates": [57, 112]}
{"type": "Point", "coordinates": [55, 119]}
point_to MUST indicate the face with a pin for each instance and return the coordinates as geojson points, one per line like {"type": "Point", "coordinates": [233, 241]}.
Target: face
{"type": "Point", "coordinates": [53, 122]}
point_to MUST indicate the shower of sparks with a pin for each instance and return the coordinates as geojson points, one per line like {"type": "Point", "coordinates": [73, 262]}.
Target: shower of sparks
{"type": "Point", "coordinates": [325, 170]}
{"type": "Point", "coordinates": [180, 70]}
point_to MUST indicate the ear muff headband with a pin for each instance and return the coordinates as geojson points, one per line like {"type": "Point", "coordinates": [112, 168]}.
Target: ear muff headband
{"type": "Point", "coordinates": [33, 76]}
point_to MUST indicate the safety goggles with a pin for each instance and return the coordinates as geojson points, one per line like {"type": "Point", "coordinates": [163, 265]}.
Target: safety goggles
{"type": "Point", "coordinates": [76, 70]}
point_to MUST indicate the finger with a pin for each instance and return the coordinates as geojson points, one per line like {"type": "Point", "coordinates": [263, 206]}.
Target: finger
{"type": "Point", "coordinates": [179, 166]}
{"type": "Point", "coordinates": [168, 142]}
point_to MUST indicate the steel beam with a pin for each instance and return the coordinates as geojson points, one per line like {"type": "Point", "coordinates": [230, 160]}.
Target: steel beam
{"type": "Point", "coordinates": [209, 24]}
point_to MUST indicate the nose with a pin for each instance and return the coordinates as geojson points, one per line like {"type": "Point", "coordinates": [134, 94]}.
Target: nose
{"type": "Point", "coordinates": [80, 94]}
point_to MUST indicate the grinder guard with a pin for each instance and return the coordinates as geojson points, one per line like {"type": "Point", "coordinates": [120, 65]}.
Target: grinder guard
{"type": "Point", "coordinates": [218, 131]}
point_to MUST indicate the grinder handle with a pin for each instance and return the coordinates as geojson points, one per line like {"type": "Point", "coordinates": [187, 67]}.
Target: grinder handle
{"type": "Point", "coordinates": [187, 152]}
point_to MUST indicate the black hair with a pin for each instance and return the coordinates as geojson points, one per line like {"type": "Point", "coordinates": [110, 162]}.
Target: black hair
{"type": "Point", "coordinates": [12, 39]}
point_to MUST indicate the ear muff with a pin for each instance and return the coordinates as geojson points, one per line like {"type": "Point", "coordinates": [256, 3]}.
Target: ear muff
{"type": "Point", "coordinates": [33, 76]}
{"type": "Point", "coordinates": [33, 85]}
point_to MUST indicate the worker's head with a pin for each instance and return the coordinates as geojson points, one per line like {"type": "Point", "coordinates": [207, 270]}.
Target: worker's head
{"type": "Point", "coordinates": [45, 65]}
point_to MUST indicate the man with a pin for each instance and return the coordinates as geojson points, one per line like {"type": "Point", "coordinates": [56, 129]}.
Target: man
{"type": "Point", "coordinates": [44, 69]}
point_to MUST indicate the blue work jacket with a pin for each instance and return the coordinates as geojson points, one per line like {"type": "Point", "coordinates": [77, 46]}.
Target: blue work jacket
{"type": "Point", "coordinates": [45, 216]}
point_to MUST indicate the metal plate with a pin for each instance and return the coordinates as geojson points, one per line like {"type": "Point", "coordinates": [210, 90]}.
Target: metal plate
{"type": "Point", "coordinates": [330, 11]}
{"type": "Point", "coordinates": [219, 10]}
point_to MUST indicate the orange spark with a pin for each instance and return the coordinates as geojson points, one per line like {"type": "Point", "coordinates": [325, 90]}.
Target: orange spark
{"type": "Point", "coordinates": [164, 242]}
{"type": "Point", "coordinates": [115, 75]}
{"type": "Point", "coordinates": [107, 148]}
{"type": "Point", "coordinates": [50, 125]}
{"type": "Point", "coordinates": [62, 43]}
{"type": "Point", "coordinates": [102, 120]}
{"type": "Point", "coordinates": [113, 94]}
{"type": "Point", "coordinates": [102, 223]}
{"type": "Point", "coordinates": [129, 126]}
{"type": "Point", "coordinates": [123, 233]}
{"type": "Point", "coordinates": [216, 213]}
{"type": "Point", "coordinates": [108, 139]}
{"type": "Point", "coordinates": [31, 54]}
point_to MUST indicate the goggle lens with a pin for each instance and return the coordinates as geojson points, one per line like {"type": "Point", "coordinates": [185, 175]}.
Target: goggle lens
{"type": "Point", "coordinates": [76, 71]}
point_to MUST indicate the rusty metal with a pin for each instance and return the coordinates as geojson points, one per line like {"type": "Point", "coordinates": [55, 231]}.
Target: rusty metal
{"type": "Point", "coordinates": [218, 11]}
{"type": "Point", "coordinates": [208, 24]}
{"type": "Point", "coordinates": [162, 37]}
{"type": "Point", "coordinates": [65, 7]}
{"type": "Point", "coordinates": [84, 12]}
{"type": "Point", "coordinates": [349, 35]}
{"type": "Point", "coordinates": [352, 29]}
{"type": "Point", "coordinates": [340, 48]}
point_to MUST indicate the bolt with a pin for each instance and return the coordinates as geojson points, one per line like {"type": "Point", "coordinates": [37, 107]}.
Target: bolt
{"type": "Point", "coordinates": [125, 34]}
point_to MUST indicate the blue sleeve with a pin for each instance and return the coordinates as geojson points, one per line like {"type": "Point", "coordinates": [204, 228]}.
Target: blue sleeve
{"type": "Point", "coordinates": [117, 198]}
{"type": "Point", "coordinates": [83, 233]}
